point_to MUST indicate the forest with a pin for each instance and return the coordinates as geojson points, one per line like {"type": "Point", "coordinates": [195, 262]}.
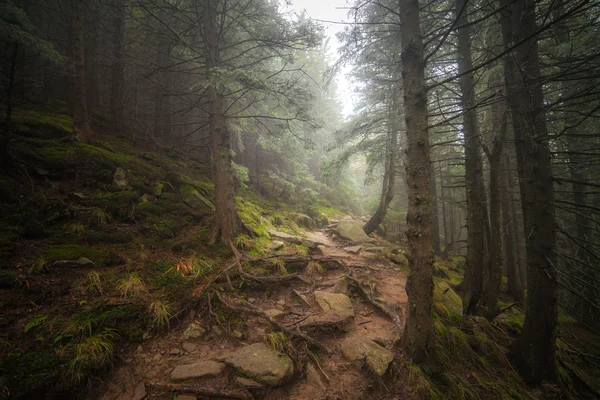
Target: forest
{"type": "Point", "coordinates": [299, 199]}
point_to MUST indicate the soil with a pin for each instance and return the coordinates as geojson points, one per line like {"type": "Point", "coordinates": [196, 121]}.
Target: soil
{"type": "Point", "coordinates": [152, 362]}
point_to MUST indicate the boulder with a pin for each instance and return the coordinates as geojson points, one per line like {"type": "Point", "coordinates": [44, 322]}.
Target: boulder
{"type": "Point", "coordinates": [262, 364]}
{"type": "Point", "coordinates": [80, 262]}
{"type": "Point", "coordinates": [445, 295]}
{"type": "Point", "coordinates": [360, 349]}
{"type": "Point", "coordinates": [247, 383]}
{"type": "Point", "coordinates": [304, 220]}
{"type": "Point", "coordinates": [120, 178]}
{"type": "Point", "coordinates": [194, 199]}
{"type": "Point", "coordinates": [342, 286]}
{"type": "Point", "coordinates": [203, 369]}
{"type": "Point", "coordinates": [337, 304]}
{"type": "Point", "coordinates": [352, 230]}
{"type": "Point", "coordinates": [275, 245]}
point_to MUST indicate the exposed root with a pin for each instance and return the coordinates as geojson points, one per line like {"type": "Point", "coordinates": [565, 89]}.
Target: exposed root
{"type": "Point", "coordinates": [200, 391]}
{"type": "Point", "coordinates": [378, 304]}
{"type": "Point", "coordinates": [249, 310]}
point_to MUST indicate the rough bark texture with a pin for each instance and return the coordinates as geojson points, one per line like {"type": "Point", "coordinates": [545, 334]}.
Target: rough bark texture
{"type": "Point", "coordinates": [79, 99]}
{"type": "Point", "coordinates": [435, 223]}
{"type": "Point", "coordinates": [447, 232]}
{"type": "Point", "coordinates": [418, 335]}
{"type": "Point", "coordinates": [472, 285]}
{"type": "Point", "coordinates": [515, 285]}
{"type": "Point", "coordinates": [534, 351]}
{"type": "Point", "coordinates": [227, 222]}
{"type": "Point", "coordinates": [117, 100]}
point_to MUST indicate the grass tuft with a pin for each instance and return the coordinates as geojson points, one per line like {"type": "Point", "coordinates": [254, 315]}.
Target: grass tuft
{"type": "Point", "coordinates": [277, 340]}
{"type": "Point", "coordinates": [160, 313]}
{"type": "Point", "coordinates": [131, 286]}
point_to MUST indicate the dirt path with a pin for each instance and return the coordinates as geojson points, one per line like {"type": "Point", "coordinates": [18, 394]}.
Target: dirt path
{"type": "Point", "coordinates": [296, 304]}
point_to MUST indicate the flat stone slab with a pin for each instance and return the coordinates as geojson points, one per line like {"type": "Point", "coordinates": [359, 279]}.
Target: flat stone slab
{"type": "Point", "coordinates": [335, 303]}
{"type": "Point", "coordinates": [262, 364]}
{"type": "Point", "coordinates": [352, 230]}
{"type": "Point", "coordinates": [353, 249]}
{"type": "Point", "coordinates": [376, 357]}
{"type": "Point", "coordinates": [203, 369]}
{"type": "Point", "coordinates": [245, 382]}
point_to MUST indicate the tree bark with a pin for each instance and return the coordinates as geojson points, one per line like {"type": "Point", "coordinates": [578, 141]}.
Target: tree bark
{"type": "Point", "coordinates": [534, 352]}
{"type": "Point", "coordinates": [418, 333]}
{"type": "Point", "coordinates": [81, 124]}
{"type": "Point", "coordinates": [117, 100]}
{"type": "Point", "coordinates": [515, 285]}
{"type": "Point", "coordinates": [472, 285]}
{"type": "Point", "coordinates": [447, 234]}
{"type": "Point", "coordinates": [435, 222]}
{"type": "Point", "coordinates": [227, 222]}
{"type": "Point", "coordinates": [7, 131]}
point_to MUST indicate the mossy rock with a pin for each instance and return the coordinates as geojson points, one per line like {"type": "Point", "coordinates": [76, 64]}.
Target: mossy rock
{"type": "Point", "coordinates": [194, 199]}
{"type": "Point", "coordinates": [445, 295]}
{"type": "Point", "coordinates": [42, 125]}
{"type": "Point", "coordinates": [251, 216]}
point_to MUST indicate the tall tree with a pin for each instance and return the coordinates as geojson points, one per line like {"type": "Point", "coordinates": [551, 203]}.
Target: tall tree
{"type": "Point", "coordinates": [79, 109]}
{"type": "Point", "coordinates": [418, 334]}
{"type": "Point", "coordinates": [534, 350]}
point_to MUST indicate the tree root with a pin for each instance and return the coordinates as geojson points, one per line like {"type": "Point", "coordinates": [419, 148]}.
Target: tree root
{"type": "Point", "coordinates": [276, 325]}
{"type": "Point", "coordinates": [201, 391]}
{"type": "Point", "coordinates": [378, 304]}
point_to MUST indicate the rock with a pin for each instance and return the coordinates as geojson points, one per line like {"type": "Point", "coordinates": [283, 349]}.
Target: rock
{"type": "Point", "coordinates": [237, 334]}
{"type": "Point", "coordinates": [304, 220]}
{"type": "Point", "coordinates": [189, 347]}
{"type": "Point", "coordinates": [248, 383]}
{"type": "Point", "coordinates": [398, 259]}
{"type": "Point", "coordinates": [194, 199]}
{"type": "Point", "coordinates": [120, 178]}
{"type": "Point", "coordinates": [376, 357]}
{"type": "Point", "coordinates": [342, 286]}
{"type": "Point", "coordinates": [140, 391]}
{"type": "Point", "coordinates": [139, 349]}
{"type": "Point", "coordinates": [281, 302]}
{"type": "Point", "coordinates": [321, 250]}
{"type": "Point", "coordinates": [274, 313]}
{"type": "Point", "coordinates": [80, 262]}
{"type": "Point", "coordinates": [335, 303]}
{"type": "Point", "coordinates": [174, 352]}
{"type": "Point", "coordinates": [216, 331]}
{"type": "Point", "coordinates": [251, 300]}
{"type": "Point", "coordinates": [375, 249]}
{"type": "Point", "coordinates": [275, 245]}
{"type": "Point", "coordinates": [352, 230]}
{"type": "Point", "coordinates": [286, 237]}
{"type": "Point", "coordinates": [313, 377]}
{"type": "Point", "coordinates": [353, 249]}
{"type": "Point", "coordinates": [262, 363]}
{"type": "Point", "coordinates": [193, 330]}
{"type": "Point", "coordinates": [316, 239]}
{"type": "Point", "coordinates": [443, 293]}
{"type": "Point", "coordinates": [203, 369]}
{"type": "Point", "coordinates": [156, 357]}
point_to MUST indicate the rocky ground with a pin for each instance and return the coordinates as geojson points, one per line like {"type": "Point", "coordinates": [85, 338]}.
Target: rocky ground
{"type": "Point", "coordinates": [349, 299]}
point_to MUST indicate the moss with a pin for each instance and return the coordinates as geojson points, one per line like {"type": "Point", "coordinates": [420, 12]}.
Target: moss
{"type": "Point", "coordinates": [207, 189]}
{"type": "Point", "coordinates": [43, 125]}
{"type": "Point", "coordinates": [73, 252]}
{"type": "Point", "coordinates": [251, 216]}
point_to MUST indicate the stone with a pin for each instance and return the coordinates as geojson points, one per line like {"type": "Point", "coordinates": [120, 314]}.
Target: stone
{"type": "Point", "coordinates": [444, 294]}
{"type": "Point", "coordinates": [80, 262]}
{"type": "Point", "coordinates": [281, 302]}
{"type": "Point", "coordinates": [375, 249]}
{"type": "Point", "coordinates": [251, 300]}
{"type": "Point", "coordinates": [248, 383]}
{"type": "Point", "coordinates": [194, 199]}
{"type": "Point", "coordinates": [342, 286]}
{"type": "Point", "coordinates": [352, 230]}
{"type": "Point", "coordinates": [304, 220]}
{"type": "Point", "coordinates": [337, 304]}
{"type": "Point", "coordinates": [193, 330]}
{"type": "Point", "coordinates": [285, 237]}
{"type": "Point", "coordinates": [237, 334]}
{"type": "Point", "coordinates": [216, 331]}
{"type": "Point", "coordinates": [353, 249]}
{"type": "Point", "coordinates": [189, 347]}
{"type": "Point", "coordinates": [398, 259]}
{"type": "Point", "coordinates": [174, 352]}
{"type": "Point", "coordinates": [203, 369]}
{"type": "Point", "coordinates": [275, 245]}
{"type": "Point", "coordinates": [140, 391]}
{"type": "Point", "coordinates": [156, 357]}
{"type": "Point", "coordinates": [120, 178]}
{"type": "Point", "coordinates": [376, 357]}
{"type": "Point", "coordinates": [262, 364]}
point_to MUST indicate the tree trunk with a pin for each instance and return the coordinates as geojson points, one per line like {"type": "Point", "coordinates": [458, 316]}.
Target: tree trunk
{"type": "Point", "coordinates": [472, 285]}
{"type": "Point", "coordinates": [81, 124]}
{"type": "Point", "coordinates": [447, 235]}
{"type": "Point", "coordinates": [515, 285]}
{"type": "Point", "coordinates": [418, 334]}
{"type": "Point", "coordinates": [435, 223]}
{"type": "Point", "coordinates": [389, 180]}
{"type": "Point", "coordinates": [117, 100]}
{"type": "Point", "coordinates": [7, 131]}
{"type": "Point", "coordinates": [227, 222]}
{"type": "Point", "coordinates": [534, 352]}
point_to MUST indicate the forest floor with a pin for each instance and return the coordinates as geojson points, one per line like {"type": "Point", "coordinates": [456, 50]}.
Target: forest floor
{"type": "Point", "coordinates": [358, 328]}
